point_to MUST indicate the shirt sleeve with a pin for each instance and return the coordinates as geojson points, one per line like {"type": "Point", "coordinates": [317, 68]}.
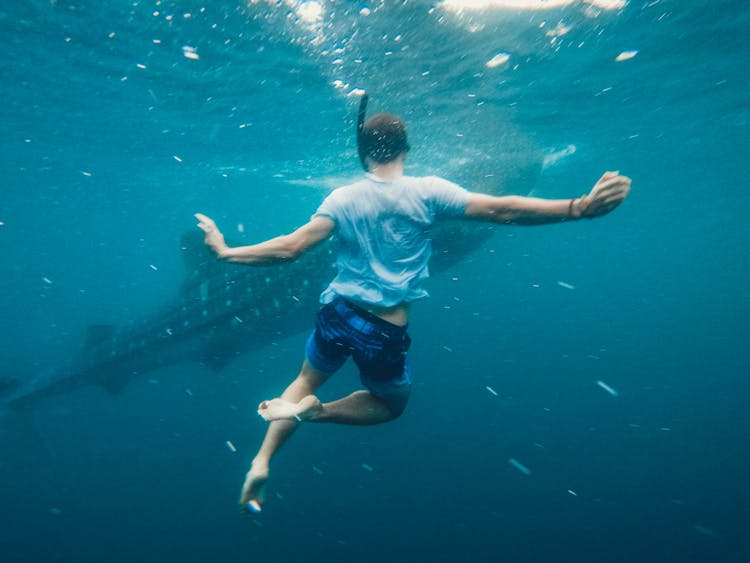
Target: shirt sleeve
{"type": "Point", "coordinates": [448, 199]}
{"type": "Point", "coordinates": [330, 207]}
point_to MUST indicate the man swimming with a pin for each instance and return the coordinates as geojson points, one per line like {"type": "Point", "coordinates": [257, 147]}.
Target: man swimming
{"type": "Point", "coordinates": [380, 225]}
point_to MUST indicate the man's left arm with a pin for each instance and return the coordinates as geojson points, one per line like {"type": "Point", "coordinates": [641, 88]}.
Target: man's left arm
{"type": "Point", "coordinates": [609, 192]}
{"type": "Point", "coordinates": [284, 248]}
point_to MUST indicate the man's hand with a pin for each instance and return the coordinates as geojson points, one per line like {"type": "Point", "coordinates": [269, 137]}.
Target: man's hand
{"type": "Point", "coordinates": [607, 193]}
{"type": "Point", "coordinates": [214, 239]}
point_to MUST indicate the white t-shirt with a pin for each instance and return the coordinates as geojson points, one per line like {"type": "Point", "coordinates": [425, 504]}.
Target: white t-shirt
{"type": "Point", "coordinates": [382, 233]}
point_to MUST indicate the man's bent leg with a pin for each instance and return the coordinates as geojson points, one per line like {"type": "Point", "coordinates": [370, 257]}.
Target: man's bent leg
{"type": "Point", "coordinates": [279, 431]}
{"type": "Point", "coordinates": [361, 408]}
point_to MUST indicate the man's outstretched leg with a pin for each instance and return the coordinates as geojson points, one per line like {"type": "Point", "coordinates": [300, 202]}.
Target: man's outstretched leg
{"type": "Point", "coordinates": [279, 431]}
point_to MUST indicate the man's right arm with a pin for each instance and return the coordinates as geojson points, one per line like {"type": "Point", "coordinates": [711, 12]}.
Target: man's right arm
{"type": "Point", "coordinates": [284, 248]}
{"type": "Point", "coordinates": [607, 193]}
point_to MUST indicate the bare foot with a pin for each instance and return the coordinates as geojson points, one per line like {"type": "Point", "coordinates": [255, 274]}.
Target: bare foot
{"type": "Point", "coordinates": [280, 409]}
{"type": "Point", "coordinates": [253, 491]}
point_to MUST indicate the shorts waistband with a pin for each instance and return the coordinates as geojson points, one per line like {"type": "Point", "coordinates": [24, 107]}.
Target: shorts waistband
{"type": "Point", "coordinates": [346, 308]}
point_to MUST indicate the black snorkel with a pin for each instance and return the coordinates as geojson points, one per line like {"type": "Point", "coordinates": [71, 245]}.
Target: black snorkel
{"type": "Point", "coordinates": [360, 126]}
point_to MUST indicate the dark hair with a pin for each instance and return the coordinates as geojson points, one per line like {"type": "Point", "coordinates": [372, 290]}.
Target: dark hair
{"type": "Point", "coordinates": [383, 138]}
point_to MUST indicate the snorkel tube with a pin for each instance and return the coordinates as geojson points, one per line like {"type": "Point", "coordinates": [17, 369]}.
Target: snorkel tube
{"type": "Point", "coordinates": [360, 126]}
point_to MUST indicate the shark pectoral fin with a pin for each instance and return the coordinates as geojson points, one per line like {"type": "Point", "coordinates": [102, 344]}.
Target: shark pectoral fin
{"type": "Point", "coordinates": [97, 338]}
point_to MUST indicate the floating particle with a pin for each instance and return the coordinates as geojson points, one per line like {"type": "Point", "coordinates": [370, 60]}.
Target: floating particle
{"type": "Point", "coordinates": [317, 470]}
{"type": "Point", "coordinates": [156, 41]}
{"type": "Point", "coordinates": [572, 492]}
{"type": "Point", "coordinates": [593, 357]}
{"type": "Point", "coordinates": [188, 392]}
{"type": "Point", "coordinates": [364, 12]}
{"type": "Point", "coordinates": [665, 429]}
{"type": "Point", "coordinates": [367, 467]}
{"type": "Point", "coordinates": [231, 447]}
{"type": "Point", "coordinates": [625, 55]}
{"type": "Point", "coordinates": [240, 228]}
{"type": "Point", "coordinates": [2, 223]}
{"type": "Point", "coordinates": [607, 388]}
{"type": "Point", "coordinates": [538, 445]}
{"type": "Point", "coordinates": [153, 381]}
{"type": "Point", "coordinates": [190, 52]}
{"type": "Point", "coordinates": [239, 320]}
{"type": "Point", "coordinates": [154, 268]}
{"type": "Point", "coordinates": [497, 60]}
{"type": "Point", "coordinates": [47, 281]}
{"type": "Point", "coordinates": [566, 285]}
{"type": "Point", "coordinates": [448, 348]}
{"type": "Point", "coordinates": [111, 35]}
{"type": "Point", "coordinates": [87, 174]}
{"type": "Point", "coordinates": [491, 390]}
{"type": "Point", "coordinates": [177, 158]}
{"type": "Point", "coordinates": [169, 331]}
{"type": "Point", "coordinates": [141, 66]}
{"type": "Point", "coordinates": [520, 466]}
{"type": "Point", "coordinates": [56, 511]}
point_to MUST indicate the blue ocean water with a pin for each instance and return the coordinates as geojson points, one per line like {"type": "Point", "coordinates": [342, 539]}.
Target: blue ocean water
{"type": "Point", "coordinates": [122, 118]}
